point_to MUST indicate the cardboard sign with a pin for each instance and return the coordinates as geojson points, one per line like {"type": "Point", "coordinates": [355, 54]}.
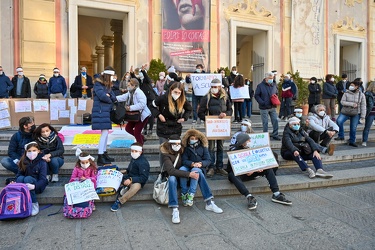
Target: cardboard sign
{"type": "Point", "coordinates": [218, 129]}
{"type": "Point", "coordinates": [86, 139]}
{"type": "Point", "coordinates": [239, 93]}
{"type": "Point", "coordinates": [202, 83]}
{"type": "Point", "coordinates": [250, 160]}
{"type": "Point", "coordinates": [258, 140]}
{"type": "Point", "coordinates": [109, 178]}
{"type": "Point", "coordinates": [78, 192]}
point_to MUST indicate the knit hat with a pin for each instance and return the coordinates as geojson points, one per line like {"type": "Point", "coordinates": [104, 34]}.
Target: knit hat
{"type": "Point", "coordinates": [242, 138]}
{"type": "Point", "coordinates": [162, 74]}
{"type": "Point", "coordinates": [293, 119]}
{"type": "Point", "coordinates": [171, 69]}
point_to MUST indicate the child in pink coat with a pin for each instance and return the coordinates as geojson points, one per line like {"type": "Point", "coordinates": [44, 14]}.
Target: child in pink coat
{"type": "Point", "coordinates": [85, 169]}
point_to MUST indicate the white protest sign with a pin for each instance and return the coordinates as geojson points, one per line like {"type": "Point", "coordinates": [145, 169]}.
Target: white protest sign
{"type": "Point", "coordinates": [109, 178]}
{"type": "Point", "coordinates": [239, 93]}
{"type": "Point", "coordinates": [202, 83]}
{"type": "Point", "coordinates": [258, 140]}
{"type": "Point", "coordinates": [78, 192]}
{"type": "Point", "coordinates": [249, 160]}
{"type": "Point", "coordinates": [218, 129]}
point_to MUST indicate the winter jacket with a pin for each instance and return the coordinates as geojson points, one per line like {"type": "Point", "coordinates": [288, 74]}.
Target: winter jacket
{"type": "Point", "coordinates": [195, 153]}
{"type": "Point", "coordinates": [170, 126]}
{"type": "Point", "coordinates": [17, 144]}
{"type": "Point", "coordinates": [138, 170]}
{"type": "Point", "coordinates": [41, 90]}
{"type": "Point", "coordinates": [38, 170]}
{"type": "Point", "coordinates": [188, 79]}
{"type": "Point", "coordinates": [341, 89]}
{"type": "Point", "coordinates": [100, 115]}
{"type": "Point", "coordinates": [88, 173]}
{"type": "Point", "coordinates": [290, 137]}
{"type": "Point", "coordinates": [263, 94]}
{"type": "Point", "coordinates": [57, 85]}
{"type": "Point", "coordinates": [145, 86]}
{"type": "Point", "coordinates": [329, 91]}
{"type": "Point", "coordinates": [321, 124]}
{"type": "Point", "coordinates": [53, 146]}
{"type": "Point", "coordinates": [215, 105]}
{"type": "Point", "coordinates": [231, 78]}
{"type": "Point", "coordinates": [160, 86]}
{"type": "Point", "coordinates": [350, 98]}
{"type": "Point", "coordinates": [315, 91]}
{"type": "Point", "coordinates": [139, 102]}
{"type": "Point", "coordinates": [370, 102]}
{"type": "Point", "coordinates": [168, 158]}
{"type": "Point", "coordinates": [25, 90]}
{"type": "Point", "coordinates": [5, 86]}
{"type": "Point", "coordinates": [76, 88]}
{"type": "Point", "coordinates": [288, 89]}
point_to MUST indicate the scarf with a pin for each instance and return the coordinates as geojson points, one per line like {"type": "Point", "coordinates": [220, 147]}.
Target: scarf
{"type": "Point", "coordinates": [49, 139]}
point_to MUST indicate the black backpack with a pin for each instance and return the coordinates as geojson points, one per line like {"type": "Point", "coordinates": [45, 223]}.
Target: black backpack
{"type": "Point", "coordinates": [118, 114]}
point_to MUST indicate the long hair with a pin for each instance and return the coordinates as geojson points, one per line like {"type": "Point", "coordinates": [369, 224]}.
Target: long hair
{"type": "Point", "coordinates": [38, 130]}
{"type": "Point", "coordinates": [22, 164]}
{"type": "Point", "coordinates": [239, 81]}
{"type": "Point", "coordinates": [371, 87]}
{"type": "Point", "coordinates": [180, 101]}
{"type": "Point", "coordinates": [92, 163]}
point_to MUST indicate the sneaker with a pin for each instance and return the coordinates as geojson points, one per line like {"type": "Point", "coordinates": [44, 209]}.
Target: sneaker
{"type": "Point", "coordinates": [281, 199]}
{"type": "Point", "coordinates": [323, 174]}
{"type": "Point", "coordinates": [194, 121]}
{"type": "Point", "coordinates": [364, 144]}
{"type": "Point", "coordinates": [189, 199]}
{"type": "Point", "coordinates": [212, 207]}
{"type": "Point", "coordinates": [276, 138]}
{"type": "Point", "coordinates": [311, 173]}
{"type": "Point", "coordinates": [235, 121]}
{"type": "Point", "coordinates": [353, 144]}
{"type": "Point", "coordinates": [48, 177]}
{"type": "Point", "coordinates": [55, 178]}
{"type": "Point", "coordinates": [339, 139]}
{"type": "Point", "coordinates": [115, 206]}
{"type": "Point", "coordinates": [175, 216]}
{"type": "Point", "coordinates": [222, 172]}
{"type": "Point", "coordinates": [35, 209]}
{"type": "Point", "coordinates": [184, 199]}
{"type": "Point", "coordinates": [251, 202]}
{"type": "Point", "coordinates": [210, 173]}
{"type": "Point", "coordinates": [331, 149]}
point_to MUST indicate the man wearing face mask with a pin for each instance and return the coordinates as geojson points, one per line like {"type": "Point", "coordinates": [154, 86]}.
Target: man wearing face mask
{"type": "Point", "coordinates": [314, 93]}
{"type": "Point", "coordinates": [215, 103]}
{"type": "Point", "coordinates": [322, 129]}
{"type": "Point", "coordinates": [195, 99]}
{"type": "Point", "coordinates": [341, 87]}
{"type": "Point", "coordinates": [56, 85]}
{"type": "Point", "coordinates": [82, 86]}
{"type": "Point", "coordinates": [5, 84]}
{"type": "Point", "coordinates": [17, 144]}
{"type": "Point", "coordinates": [21, 83]}
{"type": "Point", "coordinates": [135, 176]}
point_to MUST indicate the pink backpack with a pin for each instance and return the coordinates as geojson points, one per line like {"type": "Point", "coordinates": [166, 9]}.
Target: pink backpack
{"type": "Point", "coordinates": [78, 211]}
{"type": "Point", "coordinates": [15, 202]}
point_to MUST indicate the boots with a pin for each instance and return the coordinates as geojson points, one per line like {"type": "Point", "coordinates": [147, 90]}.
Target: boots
{"type": "Point", "coordinates": [106, 156]}
{"type": "Point", "coordinates": [102, 160]}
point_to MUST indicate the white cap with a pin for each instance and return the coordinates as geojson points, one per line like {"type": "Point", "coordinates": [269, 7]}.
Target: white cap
{"type": "Point", "coordinates": [293, 119]}
{"type": "Point", "coordinates": [171, 69]}
{"type": "Point", "coordinates": [298, 110]}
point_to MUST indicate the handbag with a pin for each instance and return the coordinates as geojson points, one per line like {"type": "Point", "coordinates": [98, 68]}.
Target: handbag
{"type": "Point", "coordinates": [161, 186]}
{"type": "Point", "coordinates": [118, 114]}
{"type": "Point", "coordinates": [350, 111]}
{"type": "Point", "coordinates": [304, 147]}
{"type": "Point", "coordinates": [275, 100]}
{"type": "Point", "coordinates": [132, 116]}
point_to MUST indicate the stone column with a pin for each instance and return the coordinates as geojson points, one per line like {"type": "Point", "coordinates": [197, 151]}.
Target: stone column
{"type": "Point", "coordinates": [94, 60]}
{"type": "Point", "coordinates": [117, 28]}
{"type": "Point", "coordinates": [100, 53]}
{"type": "Point", "coordinates": [107, 41]}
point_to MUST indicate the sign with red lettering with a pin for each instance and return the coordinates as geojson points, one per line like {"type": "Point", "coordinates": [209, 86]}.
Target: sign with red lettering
{"type": "Point", "coordinates": [218, 129]}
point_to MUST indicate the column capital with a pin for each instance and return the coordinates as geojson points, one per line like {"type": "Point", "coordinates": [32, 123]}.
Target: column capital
{"type": "Point", "coordinates": [116, 26]}
{"type": "Point", "coordinates": [108, 41]}
{"type": "Point", "coordinates": [99, 50]}
{"type": "Point", "coordinates": [94, 58]}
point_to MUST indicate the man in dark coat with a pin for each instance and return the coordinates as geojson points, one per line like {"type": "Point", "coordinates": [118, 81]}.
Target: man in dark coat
{"type": "Point", "coordinates": [21, 85]}
{"type": "Point", "coordinates": [82, 85]}
{"type": "Point", "coordinates": [5, 84]}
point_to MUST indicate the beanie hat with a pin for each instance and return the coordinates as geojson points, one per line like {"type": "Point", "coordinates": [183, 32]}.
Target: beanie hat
{"type": "Point", "coordinates": [174, 139]}
{"type": "Point", "coordinates": [162, 74]}
{"type": "Point", "coordinates": [242, 138]}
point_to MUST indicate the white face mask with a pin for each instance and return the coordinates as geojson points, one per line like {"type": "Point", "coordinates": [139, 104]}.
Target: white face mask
{"type": "Point", "coordinates": [32, 155]}
{"type": "Point", "coordinates": [321, 113]}
{"type": "Point", "coordinates": [161, 77]}
{"type": "Point", "coordinates": [175, 96]}
{"type": "Point", "coordinates": [351, 88]}
{"type": "Point", "coordinates": [127, 77]}
{"type": "Point", "coordinates": [176, 147]}
{"type": "Point", "coordinates": [332, 79]}
{"type": "Point", "coordinates": [20, 73]}
{"type": "Point", "coordinates": [234, 72]}
{"type": "Point", "coordinates": [198, 70]}
{"type": "Point", "coordinates": [312, 82]}
{"type": "Point", "coordinates": [248, 144]}
{"type": "Point", "coordinates": [113, 79]}
{"type": "Point", "coordinates": [85, 165]}
{"type": "Point", "coordinates": [243, 128]}
{"type": "Point", "coordinates": [141, 76]}
{"type": "Point", "coordinates": [214, 90]}
{"type": "Point", "coordinates": [1, 72]}
{"type": "Point", "coordinates": [135, 155]}
{"type": "Point", "coordinates": [344, 80]}
{"type": "Point", "coordinates": [56, 74]}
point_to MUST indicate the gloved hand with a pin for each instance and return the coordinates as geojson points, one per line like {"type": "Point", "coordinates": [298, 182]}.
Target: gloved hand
{"type": "Point", "coordinates": [30, 186]}
{"type": "Point", "coordinates": [362, 120]}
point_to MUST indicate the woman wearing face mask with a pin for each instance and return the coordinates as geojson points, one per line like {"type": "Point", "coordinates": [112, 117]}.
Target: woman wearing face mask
{"type": "Point", "coordinates": [124, 82]}
{"type": "Point", "coordinates": [370, 111]}
{"type": "Point", "coordinates": [329, 95]}
{"type": "Point", "coordinates": [353, 98]}
{"type": "Point", "coordinates": [32, 171]}
{"type": "Point", "coordinates": [52, 148]}
{"type": "Point", "coordinates": [298, 146]}
{"type": "Point", "coordinates": [314, 93]}
{"type": "Point", "coordinates": [245, 129]}
{"type": "Point", "coordinates": [160, 83]}
{"type": "Point", "coordinates": [135, 176]}
{"type": "Point", "coordinates": [135, 100]}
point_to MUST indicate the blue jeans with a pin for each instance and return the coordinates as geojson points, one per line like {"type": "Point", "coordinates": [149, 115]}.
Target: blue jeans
{"type": "Point", "coordinates": [202, 182]}
{"type": "Point", "coordinates": [31, 180]}
{"type": "Point", "coordinates": [353, 126]}
{"type": "Point", "coordinates": [195, 100]}
{"type": "Point", "coordinates": [368, 124]}
{"type": "Point", "coordinates": [172, 188]}
{"type": "Point", "coordinates": [275, 124]}
{"type": "Point", "coordinates": [8, 163]}
{"type": "Point", "coordinates": [301, 160]}
{"type": "Point", "coordinates": [55, 164]}
{"type": "Point", "coordinates": [219, 153]}
{"type": "Point", "coordinates": [247, 106]}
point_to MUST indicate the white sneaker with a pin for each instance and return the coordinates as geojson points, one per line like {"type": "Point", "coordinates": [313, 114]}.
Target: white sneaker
{"type": "Point", "coordinates": [212, 207]}
{"type": "Point", "coordinates": [364, 144]}
{"type": "Point", "coordinates": [175, 216]}
{"type": "Point", "coordinates": [48, 177]}
{"type": "Point", "coordinates": [323, 174]}
{"type": "Point", "coordinates": [55, 178]}
{"type": "Point", "coordinates": [311, 173]}
{"type": "Point", "coordinates": [35, 209]}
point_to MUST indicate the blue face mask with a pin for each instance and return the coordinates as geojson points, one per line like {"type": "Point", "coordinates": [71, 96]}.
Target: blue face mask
{"type": "Point", "coordinates": [192, 142]}
{"type": "Point", "coordinates": [299, 115]}
{"type": "Point", "coordinates": [295, 127]}
{"type": "Point", "coordinates": [270, 81]}
{"type": "Point", "coordinates": [83, 73]}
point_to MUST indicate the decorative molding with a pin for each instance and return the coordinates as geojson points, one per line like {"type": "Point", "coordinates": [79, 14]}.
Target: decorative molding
{"type": "Point", "coordinates": [351, 3]}
{"type": "Point", "coordinates": [248, 10]}
{"type": "Point", "coordinates": [348, 26]}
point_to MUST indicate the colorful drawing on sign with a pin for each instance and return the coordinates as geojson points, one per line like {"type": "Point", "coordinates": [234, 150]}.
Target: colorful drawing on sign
{"type": "Point", "coordinates": [86, 139]}
{"type": "Point", "coordinates": [109, 178]}
{"type": "Point", "coordinates": [259, 140]}
{"type": "Point", "coordinates": [78, 192]}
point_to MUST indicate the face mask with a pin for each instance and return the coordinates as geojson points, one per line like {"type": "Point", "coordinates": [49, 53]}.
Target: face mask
{"type": "Point", "coordinates": [56, 74]}
{"type": "Point", "coordinates": [85, 165]}
{"type": "Point", "coordinates": [135, 155]}
{"type": "Point", "coordinates": [234, 72]}
{"type": "Point", "coordinates": [113, 79]}
{"type": "Point", "coordinates": [243, 128]}
{"type": "Point", "coordinates": [270, 81]}
{"type": "Point", "coordinates": [175, 96]}
{"type": "Point", "coordinates": [321, 113]}
{"type": "Point", "coordinates": [351, 88]}
{"type": "Point", "coordinates": [344, 80]}
{"type": "Point", "coordinates": [161, 77]}
{"type": "Point", "coordinates": [127, 77]}
{"type": "Point", "coordinates": [130, 88]}
{"type": "Point", "coordinates": [298, 115]}
{"type": "Point", "coordinates": [295, 127]}
{"type": "Point", "coordinates": [312, 82]}
{"type": "Point", "coordinates": [83, 73]}
{"type": "Point", "coordinates": [198, 70]}
{"type": "Point", "coordinates": [248, 144]}
{"type": "Point", "coordinates": [1, 72]}
{"type": "Point", "coordinates": [33, 127]}
{"type": "Point", "coordinates": [248, 83]}
{"type": "Point", "coordinates": [20, 73]}
{"type": "Point", "coordinates": [45, 135]}
{"type": "Point", "coordinates": [223, 74]}
{"type": "Point", "coordinates": [332, 79]}
{"type": "Point", "coordinates": [32, 155]}
{"type": "Point", "coordinates": [192, 142]}
{"type": "Point", "coordinates": [176, 147]}
{"type": "Point", "coordinates": [214, 91]}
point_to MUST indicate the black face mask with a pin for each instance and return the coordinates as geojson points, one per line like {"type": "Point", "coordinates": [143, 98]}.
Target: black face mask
{"type": "Point", "coordinates": [33, 127]}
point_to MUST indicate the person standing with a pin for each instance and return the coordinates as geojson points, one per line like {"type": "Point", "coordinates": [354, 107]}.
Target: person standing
{"type": "Point", "coordinates": [341, 87]}
{"type": "Point", "coordinates": [21, 83]}
{"type": "Point", "coordinates": [263, 94]}
{"type": "Point", "coordinates": [82, 85]}
{"type": "Point", "coordinates": [224, 80]}
{"type": "Point", "coordinates": [239, 82]}
{"type": "Point", "coordinates": [160, 83]}
{"type": "Point", "coordinates": [41, 87]}
{"type": "Point", "coordinates": [247, 105]}
{"type": "Point", "coordinates": [329, 95]}
{"type": "Point", "coordinates": [5, 84]}
{"type": "Point", "coordinates": [56, 85]}
{"type": "Point", "coordinates": [288, 91]}
{"type": "Point", "coordinates": [370, 111]}
{"type": "Point", "coordinates": [195, 99]}
{"type": "Point", "coordinates": [314, 93]}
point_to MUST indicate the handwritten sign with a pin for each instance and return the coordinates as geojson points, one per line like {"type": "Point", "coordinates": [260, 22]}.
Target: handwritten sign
{"type": "Point", "coordinates": [3, 105]}
{"type": "Point", "coordinates": [86, 139]}
{"type": "Point", "coordinates": [249, 160]}
{"type": "Point", "coordinates": [202, 83]}
{"type": "Point", "coordinates": [22, 106]}
{"type": "Point", "coordinates": [109, 178]}
{"type": "Point", "coordinates": [4, 113]}
{"type": "Point", "coordinates": [78, 192]}
{"type": "Point", "coordinates": [239, 93]}
{"type": "Point", "coordinates": [40, 105]}
{"type": "Point", "coordinates": [218, 129]}
{"type": "Point", "coordinates": [57, 104]}
{"type": "Point", "coordinates": [5, 123]}
{"type": "Point", "coordinates": [258, 140]}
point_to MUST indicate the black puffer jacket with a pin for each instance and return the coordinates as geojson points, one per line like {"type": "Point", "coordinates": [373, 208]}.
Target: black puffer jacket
{"type": "Point", "coordinates": [291, 137]}
{"type": "Point", "coordinates": [213, 105]}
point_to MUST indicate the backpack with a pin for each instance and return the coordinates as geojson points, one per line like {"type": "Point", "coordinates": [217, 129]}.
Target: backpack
{"type": "Point", "coordinates": [15, 202]}
{"type": "Point", "coordinates": [117, 114]}
{"type": "Point", "coordinates": [78, 211]}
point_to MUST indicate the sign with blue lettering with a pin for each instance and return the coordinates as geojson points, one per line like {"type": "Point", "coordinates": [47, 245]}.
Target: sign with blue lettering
{"type": "Point", "coordinates": [78, 192]}
{"type": "Point", "coordinates": [202, 82]}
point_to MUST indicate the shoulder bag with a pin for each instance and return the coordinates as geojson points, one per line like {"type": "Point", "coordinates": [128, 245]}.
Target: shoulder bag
{"type": "Point", "coordinates": [351, 111]}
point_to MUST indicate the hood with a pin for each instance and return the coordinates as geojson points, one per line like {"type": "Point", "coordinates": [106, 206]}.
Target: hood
{"type": "Point", "coordinates": [165, 149]}
{"type": "Point", "coordinates": [201, 137]}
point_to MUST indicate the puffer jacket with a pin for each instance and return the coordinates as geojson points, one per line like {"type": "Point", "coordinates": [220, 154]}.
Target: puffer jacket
{"type": "Point", "coordinates": [197, 152]}
{"type": "Point", "coordinates": [370, 102]}
{"type": "Point", "coordinates": [329, 91]}
{"type": "Point", "coordinates": [290, 137]}
{"type": "Point", "coordinates": [168, 159]}
{"type": "Point", "coordinates": [88, 173]}
{"type": "Point", "coordinates": [263, 94]}
{"type": "Point", "coordinates": [53, 145]}
{"type": "Point", "coordinates": [139, 102]}
{"type": "Point", "coordinates": [321, 124]}
{"type": "Point", "coordinates": [41, 90]}
{"type": "Point", "coordinates": [314, 93]}
{"type": "Point", "coordinates": [102, 107]}
{"type": "Point", "coordinates": [138, 170]}
{"type": "Point", "coordinates": [357, 97]}
{"type": "Point", "coordinates": [17, 144]}
{"type": "Point", "coordinates": [214, 105]}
